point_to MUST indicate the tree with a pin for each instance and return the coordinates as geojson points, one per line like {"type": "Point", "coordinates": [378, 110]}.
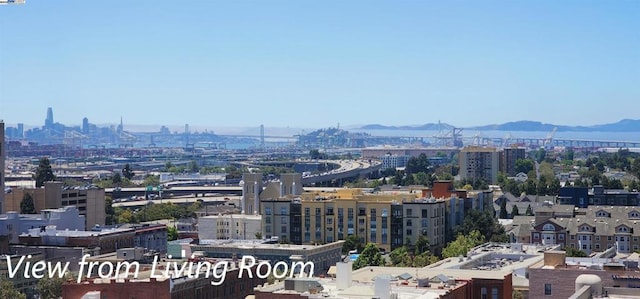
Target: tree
{"type": "Point", "coordinates": [109, 211]}
{"type": "Point", "coordinates": [26, 205]}
{"type": "Point", "coordinates": [400, 257]}
{"type": "Point", "coordinates": [422, 245]}
{"type": "Point", "coordinates": [418, 164]}
{"type": "Point", "coordinates": [541, 154]}
{"type": "Point", "coordinates": [50, 287]}
{"type": "Point", "coordinates": [524, 165]}
{"type": "Point", "coordinates": [127, 172]}
{"type": "Point", "coordinates": [352, 242]}
{"type": "Point", "coordinates": [116, 179]}
{"type": "Point", "coordinates": [370, 256]}
{"type": "Point", "coordinates": [172, 233]}
{"type": "Point", "coordinates": [503, 209]}
{"type": "Point", "coordinates": [317, 155]}
{"type": "Point", "coordinates": [258, 235]}
{"type": "Point", "coordinates": [573, 252]}
{"type": "Point", "coordinates": [8, 290]}
{"type": "Point", "coordinates": [463, 244]}
{"type": "Point", "coordinates": [483, 222]}
{"type": "Point", "coordinates": [151, 180]}
{"type": "Point", "coordinates": [44, 173]}
{"type": "Point", "coordinates": [514, 211]}
{"type": "Point", "coordinates": [529, 211]}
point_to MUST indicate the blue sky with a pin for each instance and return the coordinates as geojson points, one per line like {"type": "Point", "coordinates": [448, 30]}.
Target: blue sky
{"type": "Point", "coordinates": [317, 63]}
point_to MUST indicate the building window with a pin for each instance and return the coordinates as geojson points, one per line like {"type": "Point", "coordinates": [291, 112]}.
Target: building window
{"type": "Point", "coordinates": [267, 220]}
{"type": "Point", "coordinates": [283, 211]}
{"type": "Point", "coordinates": [409, 232]}
{"type": "Point", "coordinates": [560, 236]}
{"type": "Point", "coordinates": [425, 213]}
{"type": "Point", "coordinates": [536, 235]}
{"type": "Point", "coordinates": [409, 222]}
{"type": "Point", "coordinates": [267, 210]}
{"type": "Point", "coordinates": [547, 289]}
{"type": "Point", "coordinates": [597, 246]}
{"type": "Point", "coordinates": [573, 237]}
{"type": "Point", "coordinates": [608, 238]}
{"type": "Point", "coordinates": [283, 220]}
{"type": "Point", "coordinates": [409, 212]}
{"type": "Point", "coordinates": [494, 293]}
{"type": "Point", "coordinates": [483, 293]}
{"type": "Point", "coordinates": [597, 238]}
{"type": "Point", "coordinates": [425, 223]}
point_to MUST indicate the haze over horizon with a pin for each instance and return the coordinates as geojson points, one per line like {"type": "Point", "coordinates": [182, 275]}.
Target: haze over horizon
{"type": "Point", "coordinates": [312, 65]}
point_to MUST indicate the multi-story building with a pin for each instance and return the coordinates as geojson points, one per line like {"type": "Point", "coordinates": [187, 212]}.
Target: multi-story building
{"type": "Point", "coordinates": [22, 279]}
{"type": "Point", "coordinates": [479, 163]}
{"type": "Point", "coordinates": [13, 224]}
{"type": "Point", "coordinates": [508, 158]}
{"type": "Point", "coordinates": [425, 217]}
{"type": "Point", "coordinates": [376, 218]}
{"type": "Point", "coordinates": [90, 202]}
{"type": "Point", "coordinates": [108, 240]}
{"type": "Point", "coordinates": [583, 197]}
{"type": "Point", "coordinates": [281, 219]}
{"type": "Point", "coordinates": [150, 236]}
{"type": "Point", "coordinates": [394, 161]}
{"type": "Point", "coordinates": [229, 226]}
{"type": "Point", "coordinates": [595, 229]}
{"type": "Point", "coordinates": [253, 190]}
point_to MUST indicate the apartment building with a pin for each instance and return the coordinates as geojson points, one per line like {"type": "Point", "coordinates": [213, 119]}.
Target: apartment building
{"type": "Point", "coordinates": [375, 218]}
{"type": "Point", "coordinates": [90, 202]}
{"type": "Point", "coordinates": [595, 229]}
{"type": "Point", "coordinates": [508, 158]}
{"type": "Point", "coordinates": [479, 163]}
{"type": "Point", "coordinates": [229, 226]}
{"type": "Point", "coordinates": [583, 197]}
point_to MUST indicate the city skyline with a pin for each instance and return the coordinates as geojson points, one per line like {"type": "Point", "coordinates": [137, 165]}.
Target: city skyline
{"type": "Point", "coordinates": [246, 64]}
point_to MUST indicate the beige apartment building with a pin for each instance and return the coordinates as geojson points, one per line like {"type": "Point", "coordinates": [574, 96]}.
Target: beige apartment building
{"type": "Point", "coordinates": [90, 202]}
{"type": "Point", "coordinates": [388, 220]}
{"type": "Point", "coordinates": [479, 163]}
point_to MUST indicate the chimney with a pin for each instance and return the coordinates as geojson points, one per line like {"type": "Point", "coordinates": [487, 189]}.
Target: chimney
{"type": "Point", "coordinates": [555, 258]}
{"type": "Point", "coordinates": [343, 275]}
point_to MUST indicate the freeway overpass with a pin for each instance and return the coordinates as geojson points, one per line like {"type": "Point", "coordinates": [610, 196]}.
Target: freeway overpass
{"type": "Point", "coordinates": [347, 169]}
{"type": "Point", "coordinates": [175, 191]}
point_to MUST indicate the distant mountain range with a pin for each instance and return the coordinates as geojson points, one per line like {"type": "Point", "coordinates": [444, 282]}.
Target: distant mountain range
{"type": "Point", "coordinates": [625, 125]}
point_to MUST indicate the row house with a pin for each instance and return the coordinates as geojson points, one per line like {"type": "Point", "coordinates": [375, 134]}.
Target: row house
{"type": "Point", "coordinates": [594, 230]}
